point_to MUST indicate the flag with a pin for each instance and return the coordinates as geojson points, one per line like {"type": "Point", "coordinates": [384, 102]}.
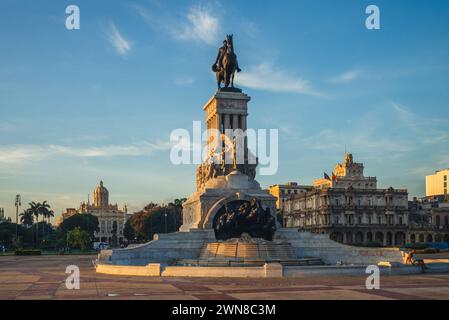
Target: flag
{"type": "Point", "coordinates": [326, 176]}
{"type": "Point", "coordinates": [334, 177]}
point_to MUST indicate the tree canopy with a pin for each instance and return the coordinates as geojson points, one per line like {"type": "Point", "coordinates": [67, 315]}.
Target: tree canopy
{"type": "Point", "coordinates": [84, 221]}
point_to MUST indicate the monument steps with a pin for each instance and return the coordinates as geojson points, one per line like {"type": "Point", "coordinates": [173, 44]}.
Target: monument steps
{"type": "Point", "coordinates": [248, 254]}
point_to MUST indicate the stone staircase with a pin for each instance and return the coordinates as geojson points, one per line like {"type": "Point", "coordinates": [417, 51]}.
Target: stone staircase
{"type": "Point", "coordinates": [248, 254]}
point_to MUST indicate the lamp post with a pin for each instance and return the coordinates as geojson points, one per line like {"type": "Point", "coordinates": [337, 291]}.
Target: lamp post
{"type": "Point", "coordinates": [17, 204]}
{"type": "Point", "coordinates": [165, 214]}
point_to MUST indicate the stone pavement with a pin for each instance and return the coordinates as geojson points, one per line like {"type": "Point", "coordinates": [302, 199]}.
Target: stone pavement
{"type": "Point", "coordinates": [43, 277]}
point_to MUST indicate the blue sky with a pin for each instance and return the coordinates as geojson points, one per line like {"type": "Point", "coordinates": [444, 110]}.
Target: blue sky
{"type": "Point", "coordinates": [100, 102]}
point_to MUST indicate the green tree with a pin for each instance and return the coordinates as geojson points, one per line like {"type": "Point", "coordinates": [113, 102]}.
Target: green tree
{"type": "Point", "coordinates": [128, 231]}
{"type": "Point", "coordinates": [114, 234]}
{"type": "Point", "coordinates": [35, 211]}
{"type": "Point", "coordinates": [86, 222]}
{"type": "Point", "coordinates": [79, 239]}
{"type": "Point", "coordinates": [151, 219]}
{"type": "Point", "coordinates": [46, 212]}
{"type": "Point", "coordinates": [27, 218]}
{"type": "Point", "coordinates": [6, 237]}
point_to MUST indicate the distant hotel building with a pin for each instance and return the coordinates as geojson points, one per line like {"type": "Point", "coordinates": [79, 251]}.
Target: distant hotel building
{"type": "Point", "coordinates": [3, 218]}
{"type": "Point", "coordinates": [111, 220]}
{"type": "Point", "coordinates": [349, 207]}
{"type": "Point", "coordinates": [436, 184]}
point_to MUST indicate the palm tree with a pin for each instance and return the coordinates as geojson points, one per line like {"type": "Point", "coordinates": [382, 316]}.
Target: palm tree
{"type": "Point", "coordinates": [46, 212]}
{"type": "Point", "coordinates": [35, 211]}
{"type": "Point", "coordinates": [26, 218]}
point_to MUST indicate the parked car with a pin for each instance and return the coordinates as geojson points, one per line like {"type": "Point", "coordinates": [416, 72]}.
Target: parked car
{"type": "Point", "coordinates": [101, 245]}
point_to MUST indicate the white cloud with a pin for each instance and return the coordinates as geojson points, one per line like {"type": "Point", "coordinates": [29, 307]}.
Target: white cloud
{"type": "Point", "coordinates": [117, 40]}
{"type": "Point", "coordinates": [17, 154]}
{"type": "Point", "coordinates": [20, 153]}
{"type": "Point", "coordinates": [346, 77]}
{"type": "Point", "coordinates": [93, 152]}
{"type": "Point", "coordinates": [266, 77]}
{"type": "Point", "coordinates": [201, 26]}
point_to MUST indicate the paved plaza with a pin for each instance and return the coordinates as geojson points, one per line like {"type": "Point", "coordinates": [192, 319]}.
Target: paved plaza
{"type": "Point", "coordinates": [44, 277]}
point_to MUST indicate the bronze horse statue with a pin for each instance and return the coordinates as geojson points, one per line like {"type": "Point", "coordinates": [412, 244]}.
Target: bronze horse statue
{"type": "Point", "coordinates": [226, 64]}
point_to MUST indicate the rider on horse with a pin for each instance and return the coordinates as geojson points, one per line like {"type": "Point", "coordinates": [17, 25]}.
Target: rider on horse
{"type": "Point", "coordinates": [226, 63]}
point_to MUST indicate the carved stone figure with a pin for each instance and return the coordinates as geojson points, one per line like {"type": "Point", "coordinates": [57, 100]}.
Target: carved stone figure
{"type": "Point", "coordinates": [239, 216]}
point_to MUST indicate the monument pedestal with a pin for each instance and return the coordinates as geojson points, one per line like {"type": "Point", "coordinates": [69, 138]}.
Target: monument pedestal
{"type": "Point", "coordinates": [200, 209]}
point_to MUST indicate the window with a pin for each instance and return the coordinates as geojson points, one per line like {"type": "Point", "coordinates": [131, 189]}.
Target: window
{"type": "Point", "coordinates": [400, 220]}
{"type": "Point", "coordinates": [360, 220]}
{"type": "Point", "coordinates": [379, 220]}
{"type": "Point", "coordinates": [369, 220]}
{"type": "Point", "coordinates": [445, 178]}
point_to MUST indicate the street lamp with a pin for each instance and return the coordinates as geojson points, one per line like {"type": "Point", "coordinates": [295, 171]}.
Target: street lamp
{"type": "Point", "coordinates": [17, 204]}
{"type": "Point", "coordinates": [165, 214]}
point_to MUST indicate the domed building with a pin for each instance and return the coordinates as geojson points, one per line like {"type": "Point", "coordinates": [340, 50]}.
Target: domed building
{"type": "Point", "coordinates": [111, 220]}
{"type": "Point", "coordinates": [101, 196]}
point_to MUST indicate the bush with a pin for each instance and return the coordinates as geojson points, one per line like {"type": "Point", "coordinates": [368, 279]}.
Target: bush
{"type": "Point", "coordinates": [27, 252]}
{"type": "Point", "coordinates": [79, 239]}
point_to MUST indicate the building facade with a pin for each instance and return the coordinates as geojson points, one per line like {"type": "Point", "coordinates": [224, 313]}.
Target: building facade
{"type": "Point", "coordinates": [430, 220]}
{"type": "Point", "coordinates": [111, 219]}
{"type": "Point", "coordinates": [436, 184]}
{"type": "Point", "coordinates": [350, 208]}
{"type": "Point", "coordinates": [283, 191]}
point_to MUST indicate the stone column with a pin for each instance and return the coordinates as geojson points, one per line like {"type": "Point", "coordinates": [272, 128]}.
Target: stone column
{"type": "Point", "coordinates": [235, 121]}
{"type": "Point", "coordinates": [243, 122]}
{"type": "Point", "coordinates": [227, 121]}
{"type": "Point", "coordinates": [219, 120]}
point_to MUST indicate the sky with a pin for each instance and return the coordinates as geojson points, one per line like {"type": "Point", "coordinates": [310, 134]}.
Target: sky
{"type": "Point", "coordinates": [99, 103]}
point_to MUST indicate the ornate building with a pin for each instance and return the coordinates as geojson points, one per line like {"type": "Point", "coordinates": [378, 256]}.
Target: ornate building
{"type": "Point", "coordinates": [350, 208]}
{"type": "Point", "coordinates": [111, 219]}
{"type": "Point", "coordinates": [283, 191]}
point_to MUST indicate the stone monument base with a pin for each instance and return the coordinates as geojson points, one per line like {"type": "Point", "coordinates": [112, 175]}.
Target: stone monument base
{"type": "Point", "coordinates": [172, 248]}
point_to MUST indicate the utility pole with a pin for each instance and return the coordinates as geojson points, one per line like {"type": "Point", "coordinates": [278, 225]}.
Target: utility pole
{"type": "Point", "coordinates": [17, 204]}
